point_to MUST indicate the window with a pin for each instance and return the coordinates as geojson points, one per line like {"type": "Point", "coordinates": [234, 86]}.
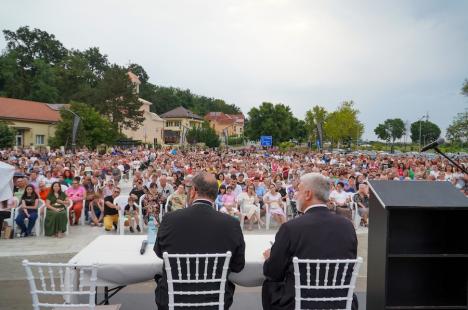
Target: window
{"type": "Point", "coordinates": [40, 139]}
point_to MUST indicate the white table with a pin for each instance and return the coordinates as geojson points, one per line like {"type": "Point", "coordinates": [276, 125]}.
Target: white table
{"type": "Point", "coordinates": [120, 263]}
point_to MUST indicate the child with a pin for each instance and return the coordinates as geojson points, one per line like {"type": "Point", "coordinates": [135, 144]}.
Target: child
{"type": "Point", "coordinates": [131, 214]}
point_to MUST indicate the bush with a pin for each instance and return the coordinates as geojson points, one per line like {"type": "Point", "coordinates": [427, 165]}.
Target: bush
{"type": "Point", "coordinates": [7, 136]}
{"type": "Point", "coordinates": [284, 146]}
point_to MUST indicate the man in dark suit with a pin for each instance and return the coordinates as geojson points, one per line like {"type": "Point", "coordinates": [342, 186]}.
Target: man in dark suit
{"type": "Point", "coordinates": [317, 234]}
{"type": "Point", "coordinates": [200, 229]}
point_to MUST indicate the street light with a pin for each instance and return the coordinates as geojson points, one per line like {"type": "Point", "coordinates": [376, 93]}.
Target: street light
{"type": "Point", "coordinates": [420, 122]}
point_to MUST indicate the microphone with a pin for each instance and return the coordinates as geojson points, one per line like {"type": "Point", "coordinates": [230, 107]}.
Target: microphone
{"type": "Point", "coordinates": [143, 247]}
{"type": "Point", "coordinates": [433, 144]}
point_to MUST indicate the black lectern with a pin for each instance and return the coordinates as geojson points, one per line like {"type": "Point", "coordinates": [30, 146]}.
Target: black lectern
{"type": "Point", "coordinates": [418, 246]}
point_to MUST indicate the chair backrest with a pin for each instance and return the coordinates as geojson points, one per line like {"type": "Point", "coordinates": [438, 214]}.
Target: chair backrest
{"type": "Point", "coordinates": [318, 281]}
{"type": "Point", "coordinates": [53, 280]}
{"type": "Point", "coordinates": [121, 201]}
{"type": "Point", "coordinates": [141, 200]}
{"type": "Point", "coordinates": [207, 271]}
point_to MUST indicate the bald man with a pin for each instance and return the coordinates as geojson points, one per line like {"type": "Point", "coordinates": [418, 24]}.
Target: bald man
{"type": "Point", "coordinates": [200, 229]}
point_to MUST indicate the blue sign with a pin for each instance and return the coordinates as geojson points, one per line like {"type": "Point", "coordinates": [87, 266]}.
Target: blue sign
{"type": "Point", "coordinates": [266, 140]}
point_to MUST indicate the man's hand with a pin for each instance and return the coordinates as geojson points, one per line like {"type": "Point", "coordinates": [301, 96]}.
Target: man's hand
{"type": "Point", "coordinates": [266, 254]}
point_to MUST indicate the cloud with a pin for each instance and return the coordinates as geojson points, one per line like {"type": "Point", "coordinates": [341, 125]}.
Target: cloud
{"type": "Point", "coordinates": [394, 59]}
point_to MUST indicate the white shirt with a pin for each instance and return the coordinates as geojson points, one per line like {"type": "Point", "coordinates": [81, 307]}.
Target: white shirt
{"type": "Point", "coordinates": [339, 197]}
{"type": "Point", "coordinates": [315, 206]}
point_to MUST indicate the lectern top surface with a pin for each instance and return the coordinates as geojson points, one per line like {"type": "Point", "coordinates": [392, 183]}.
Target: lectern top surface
{"type": "Point", "coordinates": [424, 194]}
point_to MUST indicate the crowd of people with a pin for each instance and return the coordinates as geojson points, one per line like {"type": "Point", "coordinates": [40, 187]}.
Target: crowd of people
{"type": "Point", "coordinates": [251, 182]}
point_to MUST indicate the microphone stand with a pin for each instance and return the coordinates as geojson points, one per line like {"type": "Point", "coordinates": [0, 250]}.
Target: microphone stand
{"type": "Point", "coordinates": [451, 160]}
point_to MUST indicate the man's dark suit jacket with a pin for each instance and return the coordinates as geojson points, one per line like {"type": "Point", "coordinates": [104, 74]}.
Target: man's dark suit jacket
{"type": "Point", "coordinates": [318, 234]}
{"type": "Point", "coordinates": [199, 229]}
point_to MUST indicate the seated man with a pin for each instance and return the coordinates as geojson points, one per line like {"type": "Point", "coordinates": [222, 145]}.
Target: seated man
{"type": "Point", "coordinates": [200, 229]}
{"type": "Point", "coordinates": [318, 234]}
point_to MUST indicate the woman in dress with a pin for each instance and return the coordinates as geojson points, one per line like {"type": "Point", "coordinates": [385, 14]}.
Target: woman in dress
{"type": "Point", "coordinates": [151, 203]}
{"type": "Point", "coordinates": [249, 206]}
{"type": "Point", "coordinates": [274, 204]}
{"type": "Point", "coordinates": [56, 213]}
{"type": "Point", "coordinates": [229, 203]}
{"type": "Point", "coordinates": [29, 202]}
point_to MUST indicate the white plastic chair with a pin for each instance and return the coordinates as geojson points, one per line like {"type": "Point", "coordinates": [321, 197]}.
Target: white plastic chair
{"type": "Point", "coordinates": [121, 201]}
{"type": "Point", "coordinates": [42, 222]}
{"type": "Point", "coordinates": [11, 219]}
{"type": "Point", "coordinates": [268, 214]}
{"type": "Point", "coordinates": [209, 268]}
{"type": "Point", "coordinates": [140, 210]}
{"type": "Point", "coordinates": [37, 225]}
{"type": "Point", "coordinates": [63, 187]}
{"type": "Point", "coordinates": [83, 213]}
{"type": "Point", "coordinates": [325, 276]}
{"type": "Point", "coordinates": [53, 282]}
{"type": "Point", "coordinates": [244, 214]}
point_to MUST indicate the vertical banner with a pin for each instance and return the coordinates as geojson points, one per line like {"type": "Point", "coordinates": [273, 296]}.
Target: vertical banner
{"type": "Point", "coordinates": [76, 123]}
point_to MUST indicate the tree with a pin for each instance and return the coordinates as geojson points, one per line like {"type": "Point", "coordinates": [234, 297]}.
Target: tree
{"type": "Point", "coordinates": [7, 136]}
{"type": "Point", "coordinates": [92, 131]}
{"type": "Point", "coordinates": [429, 131]}
{"type": "Point", "coordinates": [465, 88]}
{"type": "Point", "coordinates": [271, 120]}
{"type": "Point", "coordinates": [457, 132]}
{"type": "Point", "coordinates": [204, 134]}
{"type": "Point", "coordinates": [391, 130]}
{"type": "Point", "coordinates": [342, 126]}
{"type": "Point", "coordinates": [116, 98]}
{"type": "Point", "coordinates": [139, 71]}
{"type": "Point", "coordinates": [316, 115]}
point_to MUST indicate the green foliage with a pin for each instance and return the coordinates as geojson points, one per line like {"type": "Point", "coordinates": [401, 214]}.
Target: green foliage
{"type": "Point", "coordinates": [115, 97]}
{"type": "Point", "coordinates": [92, 131]}
{"type": "Point", "coordinates": [465, 88]}
{"type": "Point", "coordinates": [204, 134]}
{"type": "Point", "coordinates": [390, 130]}
{"type": "Point", "coordinates": [139, 71]}
{"type": "Point", "coordinates": [457, 132]}
{"type": "Point", "coordinates": [286, 145]}
{"type": "Point", "coordinates": [234, 140]}
{"type": "Point", "coordinates": [273, 120]}
{"type": "Point", "coordinates": [429, 131]}
{"type": "Point", "coordinates": [7, 136]}
{"type": "Point", "coordinates": [168, 98]}
{"type": "Point", "coordinates": [342, 126]}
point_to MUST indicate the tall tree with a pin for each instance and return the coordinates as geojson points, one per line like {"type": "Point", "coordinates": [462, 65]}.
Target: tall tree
{"type": "Point", "coordinates": [429, 131]}
{"type": "Point", "coordinates": [92, 131]}
{"type": "Point", "coordinates": [457, 132]}
{"type": "Point", "coordinates": [391, 130]}
{"type": "Point", "coordinates": [465, 88]}
{"type": "Point", "coordinates": [116, 98]}
{"type": "Point", "coordinates": [139, 71]}
{"type": "Point", "coordinates": [7, 136]}
{"type": "Point", "coordinates": [271, 120]}
{"type": "Point", "coordinates": [204, 134]}
{"type": "Point", "coordinates": [343, 126]}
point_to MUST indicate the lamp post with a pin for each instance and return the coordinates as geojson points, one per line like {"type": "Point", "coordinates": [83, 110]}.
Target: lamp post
{"type": "Point", "coordinates": [420, 123]}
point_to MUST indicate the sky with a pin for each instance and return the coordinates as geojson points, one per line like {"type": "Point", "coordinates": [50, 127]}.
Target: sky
{"type": "Point", "coordinates": [394, 59]}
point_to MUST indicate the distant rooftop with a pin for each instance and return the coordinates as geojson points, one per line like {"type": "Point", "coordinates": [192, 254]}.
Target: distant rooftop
{"type": "Point", "coordinates": [181, 112]}
{"type": "Point", "coordinates": [16, 109]}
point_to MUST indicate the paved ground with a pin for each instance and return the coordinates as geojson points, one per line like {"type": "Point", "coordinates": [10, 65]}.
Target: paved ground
{"type": "Point", "coordinates": [14, 290]}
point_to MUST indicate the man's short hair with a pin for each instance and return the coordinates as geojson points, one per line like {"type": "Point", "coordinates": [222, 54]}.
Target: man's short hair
{"type": "Point", "coordinates": [206, 185]}
{"type": "Point", "coordinates": [318, 184]}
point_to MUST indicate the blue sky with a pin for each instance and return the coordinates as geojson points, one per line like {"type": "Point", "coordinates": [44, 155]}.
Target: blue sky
{"type": "Point", "coordinates": [393, 59]}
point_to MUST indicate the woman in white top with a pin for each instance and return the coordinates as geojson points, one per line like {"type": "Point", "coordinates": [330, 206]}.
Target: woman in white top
{"type": "Point", "coordinates": [274, 203]}
{"type": "Point", "coordinates": [249, 206]}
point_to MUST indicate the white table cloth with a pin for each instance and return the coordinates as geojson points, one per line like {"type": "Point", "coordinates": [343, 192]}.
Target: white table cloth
{"type": "Point", "coordinates": [120, 263]}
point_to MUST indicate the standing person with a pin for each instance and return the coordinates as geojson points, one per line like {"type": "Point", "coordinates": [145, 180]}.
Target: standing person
{"type": "Point", "coordinates": [76, 193]}
{"type": "Point", "coordinates": [111, 210]}
{"type": "Point", "coordinates": [29, 202]}
{"type": "Point", "coordinates": [318, 234]}
{"type": "Point", "coordinates": [200, 229]}
{"type": "Point", "coordinates": [56, 217]}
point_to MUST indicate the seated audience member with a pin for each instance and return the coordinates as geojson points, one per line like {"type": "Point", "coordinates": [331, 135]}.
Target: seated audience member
{"type": "Point", "coordinates": [28, 210]}
{"type": "Point", "coordinates": [138, 190]}
{"type": "Point", "coordinates": [96, 209]}
{"type": "Point", "coordinates": [6, 207]}
{"type": "Point", "coordinates": [76, 193]}
{"type": "Point", "coordinates": [274, 202]}
{"type": "Point", "coordinates": [341, 199]}
{"type": "Point", "coordinates": [229, 203]}
{"type": "Point", "coordinates": [361, 198]}
{"type": "Point", "coordinates": [318, 234]}
{"type": "Point", "coordinates": [152, 203]}
{"type": "Point", "coordinates": [43, 190]}
{"type": "Point", "coordinates": [200, 229]}
{"type": "Point", "coordinates": [19, 188]}
{"type": "Point", "coordinates": [248, 204]}
{"type": "Point", "coordinates": [56, 212]}
{"type": "Point", "coordinates": [219, 198]}
{"type": "Point", "coordinates": [111, 210]}
{"type": "Point", "coordinates": [131, 215]}
{"type": "Point", "coordinates": [178, 199]}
